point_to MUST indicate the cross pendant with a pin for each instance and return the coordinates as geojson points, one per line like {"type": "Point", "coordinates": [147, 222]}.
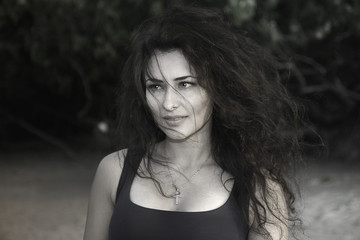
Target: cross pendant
{"type": "Point", "coordinates": [177, 195]}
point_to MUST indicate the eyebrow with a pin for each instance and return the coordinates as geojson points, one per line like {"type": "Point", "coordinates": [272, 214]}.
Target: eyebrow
{"type": "Point", "coordinates": [176, 79]}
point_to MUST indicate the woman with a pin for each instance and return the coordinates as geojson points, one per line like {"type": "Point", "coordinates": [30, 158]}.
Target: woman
{"type": "Point", "coordinates": [208, 132]}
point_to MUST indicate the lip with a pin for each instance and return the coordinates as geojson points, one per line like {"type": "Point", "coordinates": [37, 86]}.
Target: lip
{"type": "Point", "coordinates": [174, 120]}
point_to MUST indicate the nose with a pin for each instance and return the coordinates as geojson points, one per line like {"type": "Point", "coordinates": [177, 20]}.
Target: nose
{"type": "Point", "coordinates": [171, 99]}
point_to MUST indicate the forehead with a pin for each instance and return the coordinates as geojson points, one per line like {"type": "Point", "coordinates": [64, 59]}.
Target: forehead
{"type": "Point", "coordinates": [168, 65]}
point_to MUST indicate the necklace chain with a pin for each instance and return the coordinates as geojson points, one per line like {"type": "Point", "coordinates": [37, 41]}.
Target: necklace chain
{"type": "Point", "coordinates": [177, 194]}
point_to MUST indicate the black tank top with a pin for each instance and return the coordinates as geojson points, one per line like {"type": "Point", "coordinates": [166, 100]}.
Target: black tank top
{"type": "Point", "coordinates": [130, 221]}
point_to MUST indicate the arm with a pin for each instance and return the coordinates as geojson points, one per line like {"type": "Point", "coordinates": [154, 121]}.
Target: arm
{"type": "Point", "coordinates": [102, 197]}
{"type": "Point", "coordinates": [276, 214]}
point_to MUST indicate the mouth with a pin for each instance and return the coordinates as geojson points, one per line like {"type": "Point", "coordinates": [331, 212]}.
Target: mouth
{"type": "Point", "coordinates": [174, 120]}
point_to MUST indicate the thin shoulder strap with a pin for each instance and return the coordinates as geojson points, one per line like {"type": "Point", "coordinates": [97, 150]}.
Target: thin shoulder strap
{"type": "Point", "coordinates": [131, 164]}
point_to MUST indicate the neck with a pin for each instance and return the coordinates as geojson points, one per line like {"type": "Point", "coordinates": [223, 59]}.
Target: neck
{"type": "Point", "coordinates": [188, 153]}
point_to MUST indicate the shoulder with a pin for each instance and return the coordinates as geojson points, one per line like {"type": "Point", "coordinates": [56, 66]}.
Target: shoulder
{"type": "Point", "coordinates": [109, 171]}
{"type": "Point", "coordinates": [102, 195]}
{"type": "Point", "coordinates": [269, 192]}
{"type": "Point", "coordinates": [113, 162]}
{"type": "Point", "coordinates": [273, 209]}
{"type": "Point", "coordinates": [268, 182]}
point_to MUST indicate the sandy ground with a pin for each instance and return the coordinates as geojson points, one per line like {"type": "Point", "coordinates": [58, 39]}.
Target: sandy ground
{"type": "Point", "coordinates": [331, 201]}
{"type": "Point", "coordinates": [43, 195]}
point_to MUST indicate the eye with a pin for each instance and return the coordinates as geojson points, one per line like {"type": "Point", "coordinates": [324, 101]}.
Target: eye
{"type": "Point", "coordinates": [154, 87]}
{"type": "Point", "coordinates": [186, 84]}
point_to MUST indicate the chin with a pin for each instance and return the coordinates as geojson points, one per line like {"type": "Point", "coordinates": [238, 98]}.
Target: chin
{"type": "Point", "coordinates": [176, 135]}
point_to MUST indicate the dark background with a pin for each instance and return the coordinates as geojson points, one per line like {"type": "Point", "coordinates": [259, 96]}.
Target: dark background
{"type": "Point", "coordinates": [60, 62]}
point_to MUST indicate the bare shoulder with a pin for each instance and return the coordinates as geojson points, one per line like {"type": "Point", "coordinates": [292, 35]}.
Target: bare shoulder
{"type": "Point", "coordinates": [275, 210]}
{"type": "Point", "coordinates": [273, 187]}
{"type": "Point", "coordinates": [102, 195]}
{"type": "Point", "coordinates": [109, 171]}
{"type": "Point", "coordinates": [113, 162]}
{"type": "Point", "coordinates": [273, 197]}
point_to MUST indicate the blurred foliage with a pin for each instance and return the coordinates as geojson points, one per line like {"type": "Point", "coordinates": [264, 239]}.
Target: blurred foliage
{"type": "Point", "coordinates": [60, 59]}
{"type": "Point", "coordinates": [320, 39]}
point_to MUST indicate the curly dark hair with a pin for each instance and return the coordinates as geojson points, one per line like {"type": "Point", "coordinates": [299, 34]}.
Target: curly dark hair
{"type": "Point", "coordinates": [255, 123]}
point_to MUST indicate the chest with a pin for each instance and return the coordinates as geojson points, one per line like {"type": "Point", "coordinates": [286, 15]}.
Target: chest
{"type": "Point", "coordinates": [134, 221]}
{"type": "Point", "coordinates": [206, 211]}
{"type": "Point", "coordinates": [204, 193]}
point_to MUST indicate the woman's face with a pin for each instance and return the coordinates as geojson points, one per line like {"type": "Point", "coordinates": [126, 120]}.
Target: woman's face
{"type": "Point", "coordinates": [180, 106]}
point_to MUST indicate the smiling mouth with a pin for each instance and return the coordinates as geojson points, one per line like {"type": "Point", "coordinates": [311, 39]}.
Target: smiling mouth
{"type": "Point", "coordinates": [177, 118]}
{"type": "Point", "coordinates": [174, 120]}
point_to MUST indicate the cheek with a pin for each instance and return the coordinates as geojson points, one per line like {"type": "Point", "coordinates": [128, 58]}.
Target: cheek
{"type": "Point", "coordinates": [153, 104]}
{"type": "Point", "coordinates": [207, 110]}
{"type": "Point", "coordinates": [206, 103]}
{"type": "Point", "coordinates": [203, 109]}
